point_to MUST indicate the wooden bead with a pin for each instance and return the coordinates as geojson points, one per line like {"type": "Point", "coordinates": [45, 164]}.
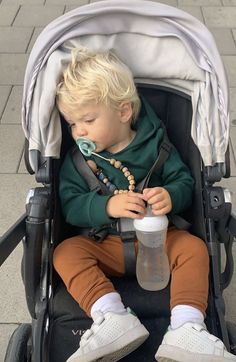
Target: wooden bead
{"type": "Point", "coordinates": [112, 161]}
{"type": "Point", "coordinates": [117, 164]}
{"type": "Point", "coordinates": [126, 191]}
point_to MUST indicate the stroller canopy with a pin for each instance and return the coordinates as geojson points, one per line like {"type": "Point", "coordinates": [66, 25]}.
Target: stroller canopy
{"type": "Point", "coordinates": [161, 44]}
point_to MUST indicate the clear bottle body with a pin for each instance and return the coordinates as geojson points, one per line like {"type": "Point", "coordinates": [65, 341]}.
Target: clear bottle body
{"type": "Point", "coordinates": [152, 266]}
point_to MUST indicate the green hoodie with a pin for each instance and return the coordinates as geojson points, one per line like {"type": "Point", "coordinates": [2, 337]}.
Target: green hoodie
{"type": "Point", "coordinates": [88, 209]}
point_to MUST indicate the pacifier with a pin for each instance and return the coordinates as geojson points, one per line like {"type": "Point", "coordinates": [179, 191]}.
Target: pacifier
{"type": "Point", "coordinates": [86, 146]}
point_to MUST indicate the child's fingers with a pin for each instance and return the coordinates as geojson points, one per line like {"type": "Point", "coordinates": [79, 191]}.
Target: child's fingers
{"type": "Point", "coordinates": [156, 199]}
{"type": "Point", "coordinates": [163, 211]}
{"type": "Point", "coordinates": [152, 191]}
{"type": "Point", "coordinates": [160, 205]}
{"type": "Point", "coordinates": [136, 197]}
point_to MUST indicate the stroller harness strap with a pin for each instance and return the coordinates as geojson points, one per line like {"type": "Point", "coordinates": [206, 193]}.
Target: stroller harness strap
{"type": "Point", "coordinates": [83, 168]}
{"type": "Point", "coordinates": [124, 226]}
{"type": "Point", "coordinates": [163, 155]}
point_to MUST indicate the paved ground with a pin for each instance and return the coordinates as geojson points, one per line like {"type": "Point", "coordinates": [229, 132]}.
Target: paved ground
{"type": "Point", "coordinates": [20, 23]}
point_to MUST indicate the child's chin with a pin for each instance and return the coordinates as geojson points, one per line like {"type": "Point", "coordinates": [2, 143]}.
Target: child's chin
{"type": "Point", "coordinates": [99, 149]}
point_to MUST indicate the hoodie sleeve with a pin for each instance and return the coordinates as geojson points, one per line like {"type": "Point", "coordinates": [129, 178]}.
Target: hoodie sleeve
{"type": "Point", "coordinates": [80, 206]}
{"type": "Point", "coordinates": [177, 180]}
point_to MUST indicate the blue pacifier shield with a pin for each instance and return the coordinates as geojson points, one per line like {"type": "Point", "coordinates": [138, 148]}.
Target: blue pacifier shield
{"type": "Point", "coordinates": [86, 146]}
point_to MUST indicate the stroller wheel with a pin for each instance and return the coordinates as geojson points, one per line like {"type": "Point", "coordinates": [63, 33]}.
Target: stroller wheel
{"type": "Point", "coordinates": [231, 327]}
{"type": "Point", "coordinates": [18, 349]}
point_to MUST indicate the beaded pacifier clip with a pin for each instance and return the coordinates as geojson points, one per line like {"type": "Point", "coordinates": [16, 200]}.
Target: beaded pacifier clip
{"type": "Point", "coordinates": [87, 147]}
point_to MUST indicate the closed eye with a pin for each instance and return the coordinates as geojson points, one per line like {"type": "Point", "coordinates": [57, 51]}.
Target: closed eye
{"type": "Point", "coordinates": [90, 120]}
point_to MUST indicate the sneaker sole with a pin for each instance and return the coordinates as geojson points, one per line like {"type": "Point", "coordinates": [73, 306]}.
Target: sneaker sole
{"type": "Point", "coordinates": [119, 348]}
{"type": "Point", "coordinates": [174, 354]}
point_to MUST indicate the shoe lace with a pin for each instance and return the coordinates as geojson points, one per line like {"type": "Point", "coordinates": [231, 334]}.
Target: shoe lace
{"type": "Point", "coordinates": [98, 318]}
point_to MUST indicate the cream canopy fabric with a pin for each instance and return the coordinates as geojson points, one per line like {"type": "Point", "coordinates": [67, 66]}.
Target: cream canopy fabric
{"type": "Point", "coordinates": [161, 45]}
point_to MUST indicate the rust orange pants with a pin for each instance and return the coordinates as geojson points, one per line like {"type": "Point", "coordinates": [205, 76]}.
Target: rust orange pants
{"type": "Point", "coordinates": [85, 266]}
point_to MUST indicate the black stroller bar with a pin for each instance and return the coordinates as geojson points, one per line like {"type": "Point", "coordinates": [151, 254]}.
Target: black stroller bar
{"type": "Point", "coordinates": [12, 237]}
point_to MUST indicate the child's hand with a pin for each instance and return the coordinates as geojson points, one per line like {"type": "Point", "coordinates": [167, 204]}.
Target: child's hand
{"type": "Point", "coordinates": [159, 199]}
{"type": "Point", "coordinates": [129, 204]}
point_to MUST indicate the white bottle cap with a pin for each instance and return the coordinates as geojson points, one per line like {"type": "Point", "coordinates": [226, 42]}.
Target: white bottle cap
{"type": "Point", "coordinates": [151, 223]}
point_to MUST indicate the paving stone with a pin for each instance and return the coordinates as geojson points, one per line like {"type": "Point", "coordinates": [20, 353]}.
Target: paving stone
{"type": "Point", "coordinates": [224, 41]}
{"type": "Point", "coordinates": [70, 7]}
{"type": "Point", "coordinates": [6, 331]}
{"type": "Point", "coordinates": [24, 2]}
{"type": "Point", "coordinates": [229, 2]}
{"type": "Point", "coordinates": [194, 11]}
{"type": "Point", "coordinates": [14, 39]}
{"type": "Point", "coordinates": [232, 96]}
{"type": "Point", "coordinates": [233, 118]}
{"type": "Point", "coordinates": [36, 33]}
{"type": "Point", "coordinates": [199, 2]}
{"type": "Point", "coordinates": [7, 14]}
{"type": "Point", "coordinates": [22, 169]}
{"type": "Point", "coordinates": [230, 183]}
{"type": "Point", "coordinates": [12, 112]}
{"type": "Point", "coordinates": [11, 140]}
{"type": "Point", "coordinates": [4, 94]}
{"type": "Point", "coordinates": [232, 135]}
{"type": "Point", "coordinates": [223, 17]}
{"type": "Point", "coordinates": [12, 68]}
{"type": "Point", "coordinates": [167, 2]}
{"type": "Point", "coordinates": [14, 190]}
{"type": "Point", "coordinates": [230, 65]}
{"type": "Point", "coordinates": [12, 299]}
{"type": "Point", "coordinates": [67, 2]}
{"type": "Point", "coordinates": [232, 161]}
{"type": "Point", "coordinates": [232, 150]}
{"type": "Point", "coordinates": [37, 15]}
{"type": "Point", "coordinates": [234, 35]}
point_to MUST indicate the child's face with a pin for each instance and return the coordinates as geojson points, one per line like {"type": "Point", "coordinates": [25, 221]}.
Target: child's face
{"type": "Point", "coordinates": [108, 128]}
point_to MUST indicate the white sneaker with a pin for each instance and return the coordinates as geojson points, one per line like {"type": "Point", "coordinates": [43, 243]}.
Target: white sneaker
{"type": "Point", "coordinates": [192, 342]}
{"type": "Point", "coordinates": [111, 337]}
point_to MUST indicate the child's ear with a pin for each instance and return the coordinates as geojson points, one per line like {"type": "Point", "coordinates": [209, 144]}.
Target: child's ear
{"type": "Point", "coordinates": [126, 112]}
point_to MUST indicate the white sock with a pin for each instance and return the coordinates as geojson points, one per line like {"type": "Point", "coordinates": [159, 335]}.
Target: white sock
{"type": "Point", "coordinates": [181, 314]}
{"type": "Point", "coordinates": [110, 302]}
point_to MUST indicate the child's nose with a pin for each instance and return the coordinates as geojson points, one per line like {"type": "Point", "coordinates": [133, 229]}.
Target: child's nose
{"type": "Point", "coordinates": [80, 131]}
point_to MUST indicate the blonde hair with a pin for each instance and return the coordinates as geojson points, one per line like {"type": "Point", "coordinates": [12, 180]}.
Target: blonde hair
{"type": "Point", "coordinates": [98, 77]}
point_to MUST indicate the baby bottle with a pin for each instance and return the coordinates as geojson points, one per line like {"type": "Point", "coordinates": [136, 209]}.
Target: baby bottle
{"type": "Point", "coordinates": [152, 266]}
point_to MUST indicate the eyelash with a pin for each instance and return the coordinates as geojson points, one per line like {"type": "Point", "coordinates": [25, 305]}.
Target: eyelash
{"type": "Point", "coordinates": [89, 120]}
{"type": "Point", "coordinates": [71, 125]}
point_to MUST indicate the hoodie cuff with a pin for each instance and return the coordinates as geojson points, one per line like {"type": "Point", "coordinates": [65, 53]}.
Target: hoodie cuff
{"type": "Point", "coordinates": [97, 210]}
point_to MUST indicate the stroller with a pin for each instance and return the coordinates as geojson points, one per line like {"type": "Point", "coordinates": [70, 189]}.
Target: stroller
{"type": "Point", "coordinates": [177, 68]}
